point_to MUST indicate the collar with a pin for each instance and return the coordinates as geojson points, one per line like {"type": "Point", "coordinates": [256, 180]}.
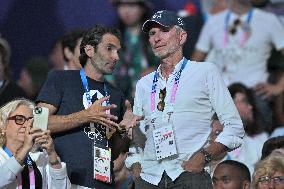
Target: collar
{"type": "Point", "coordinates": [175, 71]}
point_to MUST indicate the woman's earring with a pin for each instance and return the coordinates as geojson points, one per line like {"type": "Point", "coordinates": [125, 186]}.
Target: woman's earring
{"type": "Point", "coordinates": [2, 137]}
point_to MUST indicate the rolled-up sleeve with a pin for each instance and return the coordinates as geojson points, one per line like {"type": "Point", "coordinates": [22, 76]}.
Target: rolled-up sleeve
{"type": "Point", "coordinates": [233, 132]}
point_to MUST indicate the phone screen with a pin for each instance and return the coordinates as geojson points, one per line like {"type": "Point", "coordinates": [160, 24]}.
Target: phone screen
{"type": "Point", "coordinates": [40, 118]}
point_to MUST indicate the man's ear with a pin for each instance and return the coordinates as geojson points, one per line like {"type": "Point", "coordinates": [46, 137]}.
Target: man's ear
{"type": "Point", "coordinates": [183, 37]}
{"type": "Point", "coordinates": [246, 184]}
{"type": "Point", "coordinates": [67, 53]}
{"type": "Point", "coordinates": [89, 50]}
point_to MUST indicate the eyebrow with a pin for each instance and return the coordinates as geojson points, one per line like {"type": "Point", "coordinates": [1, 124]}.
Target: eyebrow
{"type": "Point", "coordinates": [113, 45]}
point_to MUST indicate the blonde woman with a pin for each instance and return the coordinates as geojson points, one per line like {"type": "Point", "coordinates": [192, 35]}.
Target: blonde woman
{"type": "Point", "coordinates": [269, 173]}
{"type": "Point", "coordinates": [19, 167]}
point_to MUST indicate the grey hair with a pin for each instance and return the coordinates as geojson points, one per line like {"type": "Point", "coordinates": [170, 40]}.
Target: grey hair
{"type": "Point", "coordinates": [179, 29]}
{"type": "Point", "coordinates": [7, 109]}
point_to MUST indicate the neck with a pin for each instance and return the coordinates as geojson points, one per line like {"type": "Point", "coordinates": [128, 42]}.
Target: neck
{"type": "Point", "coordinates": [93, 72]}
{"type": "Point", "coordinates": [240, 8]}
{"type": "Point", "coordinates": [168, 64]}
{"type": "Point", "coordinates": [134, 30]}
{"type": "Point", "coordinates": [13, 146]}
{"type": "Point", "coordinates": [73, 66]}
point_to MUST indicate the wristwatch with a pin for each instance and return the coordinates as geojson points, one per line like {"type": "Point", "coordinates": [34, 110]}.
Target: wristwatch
{"type": "Point", "coordinates": [207, 156]}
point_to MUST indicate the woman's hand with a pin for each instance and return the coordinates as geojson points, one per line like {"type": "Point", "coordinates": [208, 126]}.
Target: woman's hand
{"type": "Point", "coordinates": [46, 142]}
{"type": "Point", "coordinates": [31, 134]}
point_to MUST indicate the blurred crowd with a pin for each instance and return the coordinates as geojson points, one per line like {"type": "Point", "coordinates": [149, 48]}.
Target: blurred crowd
{"type": "Point", "coordinates": [248, 52]}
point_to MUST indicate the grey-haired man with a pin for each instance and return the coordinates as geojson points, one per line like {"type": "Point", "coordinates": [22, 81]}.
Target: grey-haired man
{"type": "Point", "coordinates": [177, 102]}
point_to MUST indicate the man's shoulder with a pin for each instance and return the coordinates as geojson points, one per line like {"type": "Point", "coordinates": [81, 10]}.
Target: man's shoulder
{"type": "Point", "coordinates": [147, 78]}
{"type": "Point", "coordinates": [63, 73]}
{"type": "Point", "coordinates": [203, 65]}
{"type": "Point", "coordinates": [266, 15]}
{"type": "Point", "coordinates": [218, 16]}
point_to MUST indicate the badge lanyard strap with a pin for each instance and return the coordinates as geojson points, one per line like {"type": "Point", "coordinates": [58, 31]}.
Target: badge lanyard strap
{"type": "Point", "coordinates": [174, 89]}
{"type": "Point", "coordinates": [19, 176]}
{"type": "Point", "coordinates": [244, 36]}
{"type": "Point", "coordinates": [87, 90]}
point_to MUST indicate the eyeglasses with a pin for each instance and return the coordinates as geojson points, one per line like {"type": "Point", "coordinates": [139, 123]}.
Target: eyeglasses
{"type": "Point", "coordinates": [266, 180]}
{"type": "Point", "coordinates": [233, 28]}
{"type": "Point", "coordinates": [19, 119]}
{"type": "Point", "coordinates": [162, 95]}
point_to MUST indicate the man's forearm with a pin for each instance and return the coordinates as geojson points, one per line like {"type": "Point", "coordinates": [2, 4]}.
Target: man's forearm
{"type": "Point", "coordinates": [216, 148]}
{"type": "Point", "coordinates": [60, 123]}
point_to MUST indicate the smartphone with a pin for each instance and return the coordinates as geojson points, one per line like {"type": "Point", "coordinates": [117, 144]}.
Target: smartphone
{"type": "Point", "coordinates": [40, 118]}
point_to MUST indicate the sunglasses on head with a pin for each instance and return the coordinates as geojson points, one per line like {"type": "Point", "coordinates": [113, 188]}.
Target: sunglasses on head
{"type": "Point", "coordinates": [162, 95]}
{"type": "Point", "coordinates": [19, 119]}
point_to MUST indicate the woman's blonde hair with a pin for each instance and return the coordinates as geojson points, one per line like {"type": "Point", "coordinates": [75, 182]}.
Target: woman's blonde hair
{"type": "Point", "coordinates": [267, 167]}
{"type": "Point", "coordinates": [5, 112]}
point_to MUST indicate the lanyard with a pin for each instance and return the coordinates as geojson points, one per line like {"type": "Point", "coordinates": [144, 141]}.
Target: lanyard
{"type": "Point", "coordinates": [87, 90]}
{"type": "Point", "coordinates": [174, 89]}
{"type": "Point", "coordinates": [89, 99]}
{"type": "Point", "coordinates": [245, 32]}
{"type": "Point", "coordinates": [28, 161]}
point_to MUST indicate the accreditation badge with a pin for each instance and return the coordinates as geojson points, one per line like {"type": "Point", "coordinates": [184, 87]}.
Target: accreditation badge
{"type": "Point", "coordinates": [102, 164]}
{"type": "Point", "coordinates": [164, 141]}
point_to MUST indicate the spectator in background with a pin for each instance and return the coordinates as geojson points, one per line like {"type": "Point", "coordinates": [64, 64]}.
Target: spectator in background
{"type": "Point", "coordinates": [250, 151]}
{"type": "Point", "coordinates": [273, 144]}
{"type": "Point", "coordinates": [275, 66]}
{"type": "Point", "coordinates": [241, 39]}
{"type": "Point", "coordinates": [55, 56]}
{"type": "Point", "coordinates": [8, 89]}
{"type": "Point", "coordinates": [71, 49]}
{"type": "Point", "coordinates": [137, 58]}
{"type": "Point", "coordinates": [211, 7]}
{"type": "Point", "coordinates": [231, 174]}
{"type": "Point", "coordinates": [193, 18]}
{"type": "Point", "coordinates": [32, 76]}
{"type": "Point", "coordinates": [269, 172]}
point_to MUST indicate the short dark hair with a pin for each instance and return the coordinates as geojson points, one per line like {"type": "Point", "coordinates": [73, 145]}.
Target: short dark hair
{"type": "Point", "coordinates": [70, 40]}
{"type": "Point", "coordinates": [241, 88]}
{"type": "Point", "coordinates": [240, 167]}
{"type": "Point", "coordinates": [93, 37]}
{"type": "Point", "coordinates": [272, 144]}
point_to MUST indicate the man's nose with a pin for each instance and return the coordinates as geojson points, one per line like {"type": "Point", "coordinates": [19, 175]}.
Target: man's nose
{"type": "Point", "coordinates": [271, 184]}
{"type": "Point", "coordinates": [115, 56]}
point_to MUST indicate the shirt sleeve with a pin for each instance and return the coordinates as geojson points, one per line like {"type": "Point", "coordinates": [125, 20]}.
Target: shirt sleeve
{"type": "Point", "coordinates": [8, 171]}
{"type": "Point", "coordinates": [52, 90]}
{"type": "Point", "coordinates": [233, 132]}
{"type": "Point", "coordinates": [277, 32]}
{"type": "Point", "coordinates": [204, 40]}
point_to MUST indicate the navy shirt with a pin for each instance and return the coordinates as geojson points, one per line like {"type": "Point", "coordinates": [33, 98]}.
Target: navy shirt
{"type": "Point", "coordinates": [64, 90]}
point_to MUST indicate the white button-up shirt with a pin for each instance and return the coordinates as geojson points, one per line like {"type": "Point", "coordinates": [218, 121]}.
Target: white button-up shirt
{"type": "Point", "coordinates": [200, 93]}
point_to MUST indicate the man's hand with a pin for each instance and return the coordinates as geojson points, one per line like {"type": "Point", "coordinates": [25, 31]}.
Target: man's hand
{"type": "Point", "coordinates": [136, 170]}
{"type": "Point", "coordinates": [98, 113]}
{"type": "Point", "coordinates": [266, 90]}
{"type": "Point", "coordinates": [129, 119]}
{"type": "Point", "coordinates": [195, 164]}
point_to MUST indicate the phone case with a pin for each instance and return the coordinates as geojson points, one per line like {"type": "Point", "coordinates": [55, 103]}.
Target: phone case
{"type": "Point", "coordinates": [40, 118]}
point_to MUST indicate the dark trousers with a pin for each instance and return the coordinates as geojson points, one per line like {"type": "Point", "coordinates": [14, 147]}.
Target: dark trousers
{"type": "Point", "coordinates": [186, 180]}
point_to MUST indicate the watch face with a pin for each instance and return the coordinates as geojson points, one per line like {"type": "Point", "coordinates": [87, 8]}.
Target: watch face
{"type": "Point", "coordinates": [207, 156]}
